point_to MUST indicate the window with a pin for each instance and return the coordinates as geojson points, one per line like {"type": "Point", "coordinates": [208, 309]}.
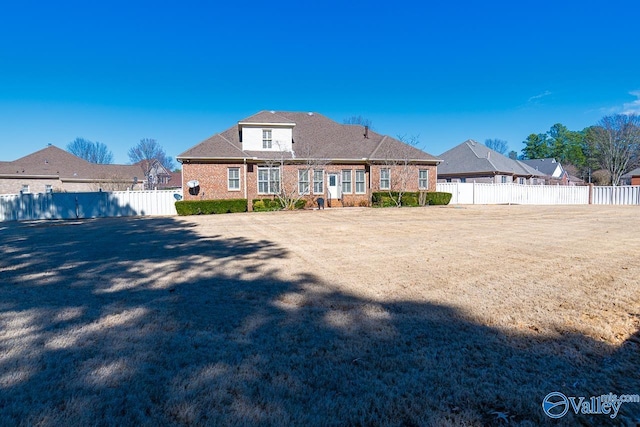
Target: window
{"type": "Point", "coordinates": [48, 188]}
{"type": "Point", "coordinates": [233, 175]}
{"type": "Point", "coordinates": [268, 180]}
{"type": "Point", "coordinates": [318, 182]}
{"type": "Point", "coordinates": [503, 179]}
{"type": "Point", "coordinates": [385, 179]}
{"type": "Point", "coordinates": [303, 181]}
{"type": "Point", "coordinates": [346, 181]}
{"type": "Point", "coordinates": [25, 188]}
{"type": "Point", "coordinates": [423, 179]}
{"type": "Point", "coordinates": [266, 138]}
{"type": "Point", "coordinates": [360, 187]}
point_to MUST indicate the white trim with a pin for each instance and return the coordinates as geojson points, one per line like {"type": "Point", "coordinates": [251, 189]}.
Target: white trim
{"type": "Point", "coordinates": [350, 181]}
{"type": "Point", "coordinates": [421, 179]}
{"type": "Point", "coordinates": [229, 188]}
{"type": "Point", "coordinates": [321, 182]}
{"type": "Point", "coordinates": [364, 181]}
{"type": "Point", "coordinates": [388, 187]}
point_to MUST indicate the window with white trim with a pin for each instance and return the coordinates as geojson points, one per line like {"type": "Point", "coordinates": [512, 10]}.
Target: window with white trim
{"type": "Point", "coordinates": [233, 179]}
{"type": "Point", "coordinates": [360, 181]}
{"type": "Point", "coordinates": [268, 180]}
{"type": "Point", "coordinates": [303, 181]}
{"type": "Point", "coordinates": [266, 138]}
{"type": "Point", "coordinates": [385, 179]}
{"type": "Point", "coordinates": [423, 179]}
{"type": "Point", "coordinates": [318, 181]}
{"type": "Point", "coordinates": [48, 188]}
{"type": "Point", "coordinates": [25, 188]}
{"type": "Point", "coordinates": [346, 181]}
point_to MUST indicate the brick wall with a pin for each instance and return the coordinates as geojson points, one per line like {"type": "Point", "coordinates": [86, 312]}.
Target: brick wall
{"type": "Point", "coordinates": [213, 179]}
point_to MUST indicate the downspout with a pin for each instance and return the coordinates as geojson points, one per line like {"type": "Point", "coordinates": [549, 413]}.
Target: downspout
{"type": "Point", "coordinates": [244, 184]}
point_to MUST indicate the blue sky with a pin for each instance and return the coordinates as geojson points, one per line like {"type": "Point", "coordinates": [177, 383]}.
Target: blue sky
{"type": "Point", "coordinates": [118, 71]}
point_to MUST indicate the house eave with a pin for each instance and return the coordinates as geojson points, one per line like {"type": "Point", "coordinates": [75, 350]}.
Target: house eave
{"type": "Point", "coordinates": [265, 124]}
{"type": "Point", "coordinates": [28, 176]}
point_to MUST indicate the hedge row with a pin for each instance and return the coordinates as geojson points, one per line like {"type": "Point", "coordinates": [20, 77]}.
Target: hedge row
{"type": "Point", "coordinates": [263, 205]}
{"type": "Point", "coordinates": [207, 207]}
{"type": "Point", "coordinates": [410, 198]}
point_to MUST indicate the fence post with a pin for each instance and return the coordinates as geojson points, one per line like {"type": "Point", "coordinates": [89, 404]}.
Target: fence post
{"type": "Point", "coordinates": [590, 193]}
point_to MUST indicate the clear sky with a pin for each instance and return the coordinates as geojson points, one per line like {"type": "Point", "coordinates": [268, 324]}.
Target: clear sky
{"type": "Point", "coordinates": [180, 71]}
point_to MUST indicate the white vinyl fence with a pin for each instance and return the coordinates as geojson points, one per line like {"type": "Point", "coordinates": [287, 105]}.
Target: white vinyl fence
{"type": "Point", "coordinates": [622, 195]}
{"type": "Point", "coordinates": [518, 194]}
{"type": "Point", "coordinates": [18, 207]}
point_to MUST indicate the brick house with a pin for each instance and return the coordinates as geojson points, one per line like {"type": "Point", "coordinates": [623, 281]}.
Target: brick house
{"type": "Point", "coordinates": [472, 161]}
{"type": "Point", "coordinates": [272, 152]}
{"type": "Point", "coordinates": [55, 170]}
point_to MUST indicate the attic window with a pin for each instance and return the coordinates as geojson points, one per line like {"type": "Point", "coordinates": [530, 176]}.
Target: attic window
{"type": "Point", "coordinates": [266, 138]}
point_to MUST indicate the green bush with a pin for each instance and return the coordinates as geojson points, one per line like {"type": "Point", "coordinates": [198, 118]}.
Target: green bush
{"type": "Point", "coordinates": [438, 198]}
{"type": "Point", "coordinates": [388, 199]}
{"type": "Point", "coordinates": [264, 205]}
{"type": "Point", "coordinates": [207, 207]}
{"type": "Point", "coordinates": [409, 198]}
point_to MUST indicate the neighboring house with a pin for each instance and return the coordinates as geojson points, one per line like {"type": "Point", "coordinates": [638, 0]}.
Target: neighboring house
{"type": "Point", "coordinates": [472, 161]}
{"type": "Point", "coordinates": [551, 168]}
{"type": "Point", "coordinates": [53, 169]}
{"type": "Point", "coordinates": [157, 176]}
{"type": "Point", "coordinates": [631, 178]}
{"type": "Point", "coordinates": [272, 152]}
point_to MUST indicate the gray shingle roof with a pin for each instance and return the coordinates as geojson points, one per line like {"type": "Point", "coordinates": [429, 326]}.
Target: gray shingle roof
{"type": "Point", "coordinates": [314, 136]}
{"type": "Point", "coordinates": [472, 157]}
{"type": "Point", "coordinates": [53, 161]}
{"type": "Point", "coordinates": [546, 166]}
{"type": "Point", "coordinates": [630, 174]}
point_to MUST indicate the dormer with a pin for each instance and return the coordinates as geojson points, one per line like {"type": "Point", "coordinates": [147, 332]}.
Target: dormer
{"type": "Point", "coordinates": [266, 136]}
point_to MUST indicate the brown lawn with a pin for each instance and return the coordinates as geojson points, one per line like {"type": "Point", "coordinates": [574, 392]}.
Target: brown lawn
{"type": "Point", "coordinates": [413, 316]}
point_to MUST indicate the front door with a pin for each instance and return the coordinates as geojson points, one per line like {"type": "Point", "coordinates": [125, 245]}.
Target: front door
{"type": "Point", "coordinates": [334, 186]}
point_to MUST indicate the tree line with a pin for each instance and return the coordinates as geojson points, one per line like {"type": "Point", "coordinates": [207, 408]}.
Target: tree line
{"type": "Point", "coordinates": [146, 151]}
{"type": "Point", "coordinates": [601, 153]}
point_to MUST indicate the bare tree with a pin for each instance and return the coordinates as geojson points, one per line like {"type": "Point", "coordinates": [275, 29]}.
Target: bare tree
{"type": "Point", "coordinates": [617, 142]}
{"type": "Point", "coordinates": [400, 169]}
{"type": "Point", "coordinates": [358, 120]}
{"type": "Point", "coordinates": [147, 152]}
{"type": "Point", "coordinates": [94, 152]}
{"type": "Point", "coordinates": [295, 175]}
{"type": "Point", "coordinates": [498, 145]}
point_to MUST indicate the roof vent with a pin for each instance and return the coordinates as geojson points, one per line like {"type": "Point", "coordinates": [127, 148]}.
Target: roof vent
{"type": "Point", "coordinates": [272, 112]}
{"type": "Point", "coordinates": [488, 154]}
{"type": "Point", "coordinates": [310, 113]}
{"type": "Point", "coordinates": [366, 131]}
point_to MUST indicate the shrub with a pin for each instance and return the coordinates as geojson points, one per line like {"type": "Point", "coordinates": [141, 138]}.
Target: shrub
{"type": "Point", "coordinates": [207, 207]}
{"type": "Point", "coordinates": [438, 198]}
{"type": "Point", "coordinates": [388, 199]}
{"type": "Point", "coordinates": [410, 198]}
{"type": "Point", "coordinates": [264, 205]}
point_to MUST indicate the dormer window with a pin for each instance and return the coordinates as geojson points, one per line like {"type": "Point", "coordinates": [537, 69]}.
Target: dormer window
{"type": "Point", "coordinates": [266, 138]}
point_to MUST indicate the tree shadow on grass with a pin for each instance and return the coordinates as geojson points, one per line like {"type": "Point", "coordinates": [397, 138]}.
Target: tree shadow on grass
{"type": "Point", "coordinates": [147, 322]}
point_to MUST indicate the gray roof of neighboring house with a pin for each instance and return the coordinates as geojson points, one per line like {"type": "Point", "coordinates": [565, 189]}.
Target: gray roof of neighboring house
{"type": "Point", "coordinates": [630, 174]}
{"type": "Point", "coordinates": [472, 157]}
{"type": "Point", "coordinates": [53, 161]}
{"type": "Point", "coordinates": [546, 166]}
{"type": "Point", "coordinates": [314, 136]}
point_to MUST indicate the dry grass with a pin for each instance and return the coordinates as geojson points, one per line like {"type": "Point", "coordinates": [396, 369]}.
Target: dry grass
{"type": "Point", "coordinates": [426, 316]}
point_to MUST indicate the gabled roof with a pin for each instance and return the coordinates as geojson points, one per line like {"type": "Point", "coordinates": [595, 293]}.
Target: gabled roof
{"type": "Point", "coordinates": [631, 174]}
{"type": "Point", "coordinates": [55, 162]}
{"type": "Point", "coordinates": [472, 157]}
{"type": "Point", "coordinates": [546, 166]}
{"type": "Point", "coordinates": [314, 136]}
